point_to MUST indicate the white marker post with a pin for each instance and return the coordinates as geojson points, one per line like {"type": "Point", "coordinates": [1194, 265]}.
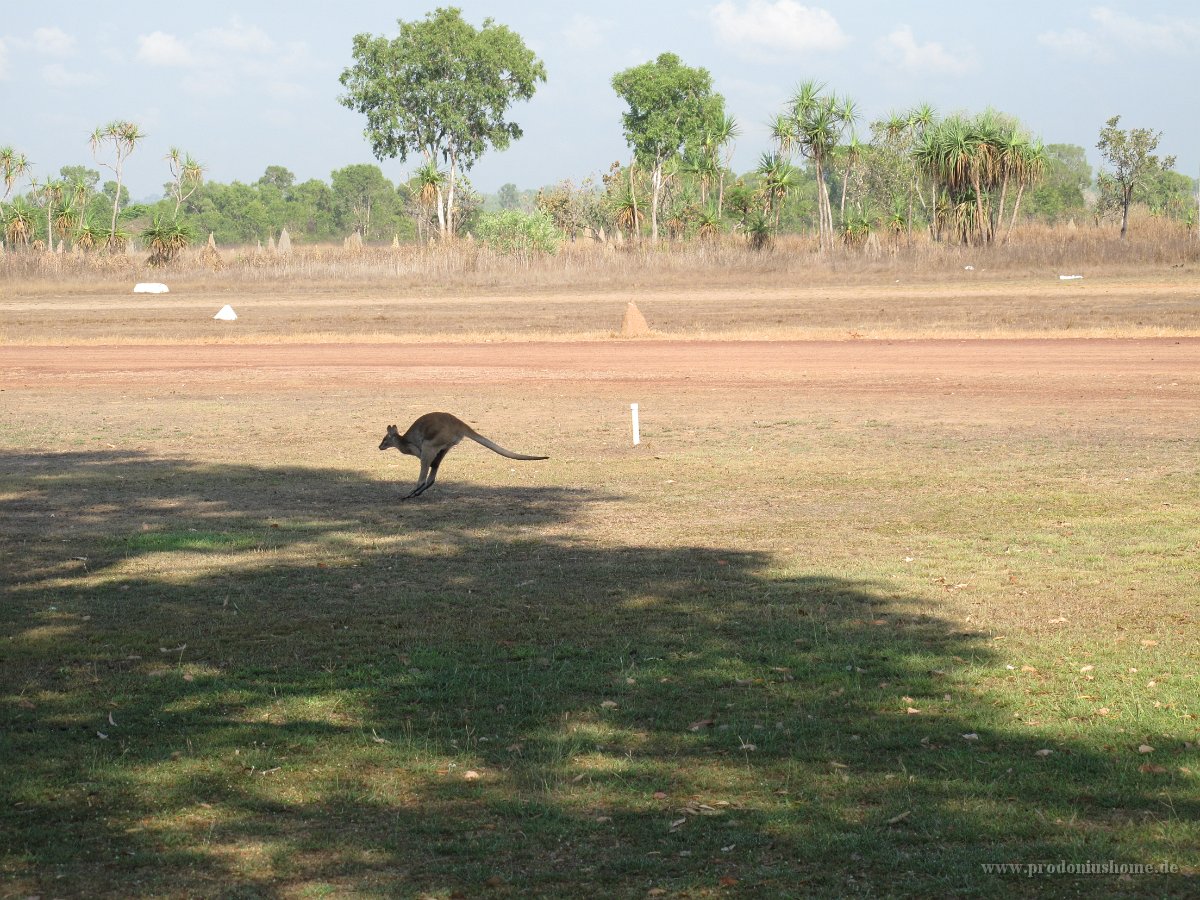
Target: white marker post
{"type": "Point", "coordinates": [637, 432]}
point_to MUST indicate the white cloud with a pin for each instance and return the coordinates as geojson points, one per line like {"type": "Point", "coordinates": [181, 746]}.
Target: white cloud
{"type": "Point", "coordinates": [227, 59]}
{"type": "Point", "coordinates": [238, 38]}
{"type": "Point", "coordinates": [586, 32]}
{"type": "Point", "coordinates": [778, 27]}
{"type": "Point", "coordinates": [900, 48]}
{"type": "Point", "coordinates": [1109, 31]}
{"type": "Point", "coordinates": [58, 76]}
{"type": "Point", "coordinates": [1073, 42]}
{"type": "Point", "coordinates": [161, 49]}
{"type": "Point", "coordinates": [53, 42]}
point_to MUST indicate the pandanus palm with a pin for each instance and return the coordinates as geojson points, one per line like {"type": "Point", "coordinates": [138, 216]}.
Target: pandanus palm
{"type": "Point", "coordinates": [777, 178]}
{"type": "Point", "coordinates": [814, 124]}
{"type": "Point", "coordinates": [430, 182]}
{"type": "Point", "coordinates": [12, 166]}
{"type": "Point", "coordinates": [124, 138]}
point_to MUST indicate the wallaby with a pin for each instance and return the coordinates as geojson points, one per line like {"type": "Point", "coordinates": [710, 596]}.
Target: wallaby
{"type": "Point", "coordinates": [430, 438]}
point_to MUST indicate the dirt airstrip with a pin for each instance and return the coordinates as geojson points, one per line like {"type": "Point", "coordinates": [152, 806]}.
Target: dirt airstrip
{"type": "Point", "coordinates": [1161, 372]}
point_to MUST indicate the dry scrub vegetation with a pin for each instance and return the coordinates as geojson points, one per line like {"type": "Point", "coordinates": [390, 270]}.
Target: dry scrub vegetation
{"type": "Point", "coordinates": [1033, 250]}
{"type": "Point", "coordinates": [719, 289]}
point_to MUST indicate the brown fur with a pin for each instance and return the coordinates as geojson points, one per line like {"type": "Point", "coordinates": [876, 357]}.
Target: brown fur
{"type": "Point", "coordinates": [430, 438]}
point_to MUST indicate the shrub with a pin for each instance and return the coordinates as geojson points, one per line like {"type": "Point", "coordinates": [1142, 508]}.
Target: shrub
{"type": "Point", "coordinates": [514, 232]}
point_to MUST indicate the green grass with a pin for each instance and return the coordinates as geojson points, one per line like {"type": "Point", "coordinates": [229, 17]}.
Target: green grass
{"type": "Point", "coordinates": [613, 673]}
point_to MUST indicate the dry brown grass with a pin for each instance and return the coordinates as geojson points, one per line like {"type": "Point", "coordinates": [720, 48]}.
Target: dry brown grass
{"type": "Point", "coordinates": [716, 290]}
{"type": "Point", "coordinates": [1033, 250]}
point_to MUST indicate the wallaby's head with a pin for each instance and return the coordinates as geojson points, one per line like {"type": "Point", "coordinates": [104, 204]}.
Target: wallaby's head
{"type": "Point", "coordinates": [391, 439]}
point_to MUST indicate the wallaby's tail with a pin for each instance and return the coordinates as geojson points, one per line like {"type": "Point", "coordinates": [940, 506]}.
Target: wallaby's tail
{"type": "Point", "coordinates": [498, 449]}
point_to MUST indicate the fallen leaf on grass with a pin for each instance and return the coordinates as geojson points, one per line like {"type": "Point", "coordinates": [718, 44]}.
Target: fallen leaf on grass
{"type": "Point", "coordinates": [609, 704]}
{"type": "Point", "coordinates": [727, 881]}
{"type": "Point", "coordinates": [970, 737]}
{"type": "Point", "coordinates": [660, 795]}
{"type": "Point", "coordinates": [678, 823]}
{"type": "Point", "coordinates": [1044, 752]}
{"type": "Point", "coordinates": [895, 820]}
{"type": "Point", "coordinates": [1152, 769]}
{"type": "Point", "coordinates": [471, 775]}
{"type": "Point", "coordinates": [701, 725]}
{"type": "Point", "coordinates": [1145, 748]}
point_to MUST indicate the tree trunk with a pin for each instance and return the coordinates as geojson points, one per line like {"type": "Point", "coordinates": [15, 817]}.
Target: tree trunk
{"type": "Point", "coordinates": [452, 177]}
{"type": "Point", "coordinates": [656, 183]}
{"type": "Point", "coordinates": [1126, 197]}
{"type": "Point", "coordinates": [999, 214]}
{"type": "Point", "coordinates": [112, 231]}
{"type": "Point", "coordinates": [1016, 209]}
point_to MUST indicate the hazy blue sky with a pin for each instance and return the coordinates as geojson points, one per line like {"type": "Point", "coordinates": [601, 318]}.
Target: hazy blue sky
{"type": "Point", "coordinates": [245, 85]}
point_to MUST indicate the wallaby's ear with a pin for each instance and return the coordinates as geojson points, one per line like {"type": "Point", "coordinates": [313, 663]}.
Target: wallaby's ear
{"type": "Point", "coordinates": [391, 429]}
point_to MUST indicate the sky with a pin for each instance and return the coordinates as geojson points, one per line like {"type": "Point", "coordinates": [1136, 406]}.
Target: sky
{"type": "Point", "coordinates": [242, 85]}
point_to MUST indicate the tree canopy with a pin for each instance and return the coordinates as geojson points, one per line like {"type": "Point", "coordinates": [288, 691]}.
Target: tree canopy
{"type": "Point", "coordinates": [672, 107]}
{"type": "Point", "coordinates": [1133, 160]}
{"type": "Point", "coordinates": [441, 88]}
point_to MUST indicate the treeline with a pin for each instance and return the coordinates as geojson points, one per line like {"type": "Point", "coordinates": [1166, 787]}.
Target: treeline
{"type": "Point", "coordinates": [869, 191]}
{"type": "Point", "coordinates": [439, 92]}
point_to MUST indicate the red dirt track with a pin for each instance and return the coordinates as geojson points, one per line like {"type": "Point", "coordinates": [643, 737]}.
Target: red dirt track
{"type": "Point", "coordinates": [723, 361]}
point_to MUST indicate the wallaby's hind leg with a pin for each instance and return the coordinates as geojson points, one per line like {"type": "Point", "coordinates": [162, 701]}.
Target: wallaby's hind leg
{"type": "Point", "coordinates": [428, 473]}
{"type": "Point", "coordinates": [421, 485]}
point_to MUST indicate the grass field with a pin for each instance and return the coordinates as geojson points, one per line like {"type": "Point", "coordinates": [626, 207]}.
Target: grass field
{"type": "Point", "coordinates": [835, 628]}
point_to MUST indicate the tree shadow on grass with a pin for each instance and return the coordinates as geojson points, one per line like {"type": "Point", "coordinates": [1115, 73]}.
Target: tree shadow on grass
{"type": "Point", "coordinates": [272, 681]}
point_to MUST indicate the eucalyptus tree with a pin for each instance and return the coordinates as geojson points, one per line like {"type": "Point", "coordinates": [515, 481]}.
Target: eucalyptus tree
{"type": "Point", "coordinates": [363, 197]}
{"type": "Point", "coordinates": [1060, 193]}
{"type": "Point", "coordinates": [896, 136]}
{"type": "Point", "coordinates": [122, 138]}
{"type": "Point", "coordinates": [441, 88]}
{"type": "Point", "coordinates": [186, 176]}
{"type": "Point", "coordinates": [1133, 160]}
{"type": "Point", "coordinates": [671, 107]}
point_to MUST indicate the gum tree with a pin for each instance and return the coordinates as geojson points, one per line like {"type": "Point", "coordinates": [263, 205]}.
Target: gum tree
{"type": "Point", "coordinates": [1134, 162]}
{"type": "Point", "coordinates": [441, 88]}
{"type": "Point", "coordinates": [672, 108]}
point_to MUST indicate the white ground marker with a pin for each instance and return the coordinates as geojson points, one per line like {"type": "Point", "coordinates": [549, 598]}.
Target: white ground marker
{"type": "Point", "coordinates": [637, 432]}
